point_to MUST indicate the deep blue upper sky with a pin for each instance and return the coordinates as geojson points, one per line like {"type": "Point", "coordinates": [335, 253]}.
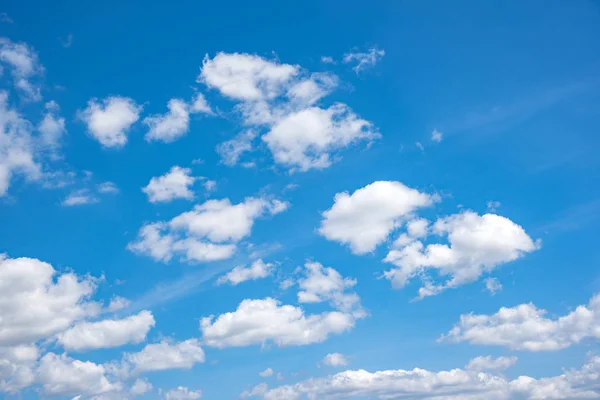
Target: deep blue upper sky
{"type": "Point", "coordinates": [511, 87]}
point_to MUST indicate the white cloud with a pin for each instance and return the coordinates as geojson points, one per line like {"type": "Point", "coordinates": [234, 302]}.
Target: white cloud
{"type": "Point", "coordinates": [107, 333]}
{"type": "Point", "coordinates": [17, 367]}
{"type": "Point", "coordinates": [491, 364]}
{"type": "Point", "coordinates": [306, 139]}
{"type": "Point", "coordinates": [279, 97]}
{"type": "Point", "coordinates": [24, 64]}
{"type": "Point", "coordinates": [200, 105]}
{"type": "Point", "coordinates": [109, 121]}
{"type": "Point", "coordinates": [118, 303]}
{"type": "Point", "coordinates": [327, 60]}
{"type": "Point", "coordinates": [455, 384]}
{"type": "Point", "coordinates": [365, 218]}
{"type": "Point", "coordinates": [170, 126]}
{"type": "Point", "coordinates": [245, 76]}
{"type": "Point", "coordinates": [437, 136]}
{"type": "Point", "coordinates": [140, 387]}
{"type": "Point", "coordinates": [266, 373]}
{"type": "Point", "coordinates": [476, 244]}
{"type": "Point", "coordinates": [175, 184]}
{"type": "Point", "coordinates": [420, 146]}
{"type": "Point", "coordinates": [80, 197]}
{"type": "Point", "coordinates": [182, 393]}
{"type": "Point", "coordinates": [61, 375]}
{"type": "Point", "coordinates": [36, 302]}
{"type": "Point", "coordinates": [163, 356]}
{"type": "Point", "coordinates": [365, 60]}
{"type": "Point", "coordinates": [525, 327]}
{"type": "Point", "coordinates": [493, 285]}
{"type": "Point", "coordinates": [231, 150]}
{"type": "Point", "coordinates": [262, 321]}
{"type": "Point", "coordinates": [257, 270]}
{"type": "Point", "coordinates": [52, 127]}
{"type": "Point", "coordinates": [326, 284]}
{"type": "Point", "coordinates": [493, 205]}
{"type": "Point", "coordinates": [17, 146]}
{"type": "Point", "coordinates": [108, 187]}
{"type": "Point", "coordinates": [335, 360]}
{"type": "Point", "coordinates": [219, 220]}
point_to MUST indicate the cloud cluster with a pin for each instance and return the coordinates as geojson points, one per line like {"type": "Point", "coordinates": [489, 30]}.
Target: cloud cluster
{"type": "Point", "coordinates": [175, 184]}
{"type": "Point", "coordinates": [208, 232]}
{"type": "Point", "coordinates": [281, 99]}
{"type": "Point", "coordinates": [525, 327]}
{"type": "Point", "coordinates": [456, 384]}
{"type": "Point", "coordinates": [24, 65]}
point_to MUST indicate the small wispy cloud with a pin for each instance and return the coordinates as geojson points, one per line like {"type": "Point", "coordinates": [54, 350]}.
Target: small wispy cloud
{"type": "Point", "coordinates": [364, 60]}
{"type": "Point", "coordinates": [67, 42]}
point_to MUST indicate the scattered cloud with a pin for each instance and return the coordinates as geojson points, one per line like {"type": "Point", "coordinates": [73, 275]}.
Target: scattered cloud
{"type": "Point", "coordinates": [80, 197]}
{"type": "Point", "coordinates": [140, 387]}
{"type": "Point", "coordinates": [182, 393]}
{"type": "Point", "coordinates": [364, 60]}
{"type": "Point", "coordinates": [335, 360]}
{"type": "Point", "coordinates": [257, 270]}
{"type": "Point", "coordinates": [365, 218]}
{"type": "Point", "coordinates": [164, 355]}
{"type": "Point", "coordinates": [493, 206]}
{"type": "Point", "coordinates": [420, 146]}
{"type": "Point", "coordinates": [68, 41]}
{"type": "Point", "coordinates": [267, 320]}
{"type": "Point", "coordinates": [108, 121]}
{"type": "Point", "coordinates": [52, 127]}
{"type": "Point", "coordinates": [493, 285]}
{"type": "Point", "coordinates": [491, 364]}
{"type": "Point", "coordinates": [175, 184]}
{"type": "Point", "coordinates": [327, 60]}
{"type": "Point", "coordinates": [107, 187]}
{"type": "Point", "coordinates": [4, 18]}
{"type": "Point", "coordinates": [24, 65]}
{"type": "Point", "coordinates": [436, 136]}
{"type": "Point", "coordinates": [476, 244]}
{"type": "Point", "coordinates": [231, 150]}
{"type": "Point", "coordinates": [266, 373]}
{"type": "Point", "coordinates": [525, 327]}
{"type": "Point", "coordinates": [452, 385]}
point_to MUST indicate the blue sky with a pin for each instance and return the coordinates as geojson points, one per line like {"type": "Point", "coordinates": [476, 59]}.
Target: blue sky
{"type": "Point", "coordinates": [282, 200]}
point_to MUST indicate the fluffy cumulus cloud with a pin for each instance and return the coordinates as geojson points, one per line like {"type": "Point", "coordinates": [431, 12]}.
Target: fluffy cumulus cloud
{"type": "Point", "coordinates": [109, 121]}
{"type": "Point", "coordinates": [140, 387]}
{"type": "Point", "coordinates": [175, 123]}
{"type": "Point", "coordinates": [17, 367]}
{"type": "Point", "coordinates": [60, 375]}
{"type": "Point", "coordinates": [24, 65]}
{"type": "Point", "coordinates": [17, 146]}
{"type": "Point", "coordinates": [335, 360]}
{"type": "Point", "coordinates": [456, 384]}
{"type": "Point", "coordinates": [266, 373]}
{"type": "Point", "coordinates": [182, 393]}
{"type": "Point", "coordinates": [326, 284]}
{"type": "Point", "coordinates": [526, 327]}
{"type": "Point", "coordinates": [175, 184]}
{"type": "Point", "coordinates": [282, 99]}
{"type": "Point", "coordinates": [365, 218]}
{"type": "Point", "coordinates": [208, 232]}
{"type": "Point", "coordinates": [268, 321]}
{"type": "Point", "coordinates": [164, 355]}
{"type": "Point", "coordinates": [476, 244]}
{"type": "Point", "coordinates": [257, 270]}
{"type": "Point", "coordinates": [37, 302]}
{"type": "Point", "coordinates": [107, 333]}
{"type": "Point", "coordinates": [489, 363]}
{"type": "Point", "coordinates": [364, 60]}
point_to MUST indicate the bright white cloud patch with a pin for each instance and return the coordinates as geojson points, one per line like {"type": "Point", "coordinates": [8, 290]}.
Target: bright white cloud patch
{"type": "Point", "coordinates": [17, 146]}
{"type": "Point", "coordinates": [364, 60]}
{"type": "Point", "coordinates": [200, 105]}
{"type": "Point", "coordinates": [108, 121]}
{"type": "Point", "coordinates": [266, 373]}
{"type": "Point", "coordinates": [326, 284]}
{"type": "Point", "coordinates": [36, 302]}
{"type": "Point", "coordinates": [306, 139]}
{"type": "Point", "coordinates": [170, 126]}
{"type": "Point", "coordinates": [365, 218]}
{"type": "Point", "coordinates": [164, 355]}
{"type": "Point", "coordinates": [493, 285]}
{"type": "Point", "coordinates": [281, 98]}
{"type": "Point", "coordinates": [257, 270]}
{"type": "Point", "coordinates": [245, 76]}
{"type": "Point", "coordinates": [80, 197]}
{"type": "Point", "coordinates": [262, 321]}
{"type": "Point", "coordinates": [335, 360]}
{"type": "Point", "coordinates": [476, 244]}
{"type": "Point", "coordinates": [525, 327]}
{"type": "Point", "coordinates": [17, 367]}
{"type": "Point", "coordinates": [491, 364]}
{"type": "Point", "coordinates": [23, 62]}
{"type": "Point", "coordinates": [456, 384]}
{"type": "Point", "coordinates": [107, 333]}
{"type": "Point", "coordinates": [182, 393]}
{"type": "Point", "coordinates": [61, 375]}
{"type": "Point", "coordinates": [173, 185]}
{"type": "Point", "coordinates": [231, 150]}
